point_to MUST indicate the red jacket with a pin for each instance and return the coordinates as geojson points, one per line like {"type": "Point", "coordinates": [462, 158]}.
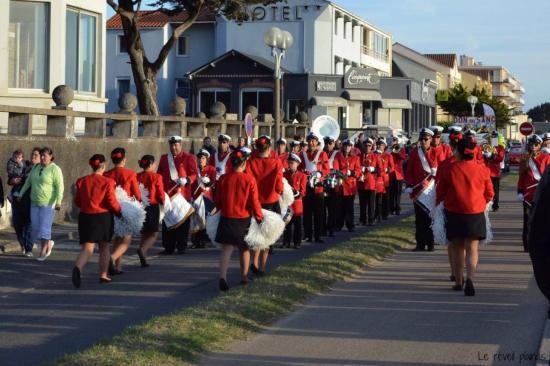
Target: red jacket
{"type": "Point", "coordinates": [527, 184]}
{"type": "Point", "coordinates": [298, 182]}
{"type": "Point", "coordinates": [283, 158]}
{"type": "Point", "coordinates": [398, 159]}
{"type": "Point", "coordinates": [186, 166]}
{"type": "Point", "coordinates": [237, 196]}
{"type": "Point", "coordinates": [446, 164]}
{"type": "Point", "coordinates": [321, 165]}
{"type": "Point", "coordinates": [369, 179]}
{"type": "Point", "coordinates": [383, 176]}
{"type": "Point", "coordinates": [493, 163]}
{"type": "Point", "coordinates": [415, 173]}
{"type": "Point", "coordinates": [95, 194]}
{"type": "Point", "coordinates": [352, 165]}
{"type": "Point", "coordinates": [464, 188]}
{"type": "Point", "coordinates": [153, 183]}
{"type": "Point", "coordinates": [210, 172]}
{"type": "Point", "coordinates": [127, 179]}
{"type": "Point", "coordinates": [217, 159]}
{"type": "Point", "coordinates": [331, 156]}
{"type": "Point", "coordinates": [478, 155]}
{"type": "Point", "coordinates": [268, 173]}
{"type": "Point", "coordinates": [443, 152]}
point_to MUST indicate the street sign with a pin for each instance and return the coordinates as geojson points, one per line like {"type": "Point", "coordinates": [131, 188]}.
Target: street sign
{"type": "Point", "coordinates": [249, 127]}
{"type": "Point", "coordinates": [526, 128]}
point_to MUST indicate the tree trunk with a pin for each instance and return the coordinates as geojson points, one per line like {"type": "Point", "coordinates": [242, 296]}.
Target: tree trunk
{"type": "Point", "coordinates": [145, 79]}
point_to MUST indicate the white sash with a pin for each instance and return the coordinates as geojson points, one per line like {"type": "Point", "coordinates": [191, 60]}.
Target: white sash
{"type": "Point", "coordinates": [220, 165]}
{"type": "Point", "coordinates": [331, 159]}
{"type": "Point", "coordinates": [311, 166]}
{"type": "Point", "coordinates": [172, 166]}
{"type": "Point", "coordinates": [534, 170]}
{"type": "Point", "coordinates": [424, 161]}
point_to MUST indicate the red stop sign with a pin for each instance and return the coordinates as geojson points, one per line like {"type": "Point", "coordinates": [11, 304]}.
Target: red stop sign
{"type": "Point", "coordinates": [526, 128]}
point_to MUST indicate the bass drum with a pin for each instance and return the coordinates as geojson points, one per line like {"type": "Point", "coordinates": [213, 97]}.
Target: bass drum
{"type": "Point", "coordinates": [176, 211]}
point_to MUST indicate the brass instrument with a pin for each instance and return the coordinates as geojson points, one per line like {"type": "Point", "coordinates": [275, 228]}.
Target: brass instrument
{"type": "Point", "coordinates": [488, 148]}
{"type": "Point", "coordinates": [396, 148]}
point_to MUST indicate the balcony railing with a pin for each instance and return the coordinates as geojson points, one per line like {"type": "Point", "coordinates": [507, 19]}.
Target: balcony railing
{"type": "Point", "coordinates": [373, 53]}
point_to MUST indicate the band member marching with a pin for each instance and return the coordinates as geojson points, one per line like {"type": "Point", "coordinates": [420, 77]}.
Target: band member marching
{"type": "Point", "coordinates": [127, 180]}
{"type": "Point", "coordinates": [298, 181]}
{"type": "Point", "coordinates": [205, 185]}
{"type": "Point", "coordinates": [545, 143]}
{"type": "Point", "coordinates": [333, 194]}
{"type": "Point", "coordinates": [267, 170]}
{"type": "Point", "coordinates": [399, 155]}
{"type": "Point", "coordinates": [385, 166]}
{"type": "Point", "coordinates": [296, 147]}
{"type": "Point", "coordinates": [152, 182]}
{"type": "Point", "coordinates": [282, 154]}
{"type": "Point", "coordinates": [442, 150]}
{"type": "Point", "coordinates": [493, 157]}
{"type": "Point", "coordinates": [531, 169]}
{"type": "Point", "coordinates": [220, 160]}
{"type": "Point", "coordinates": [421, 170]}
{"type": "Point", "coordinates": [179, 171]}
{"type": "Point", "coordinates": [350, 166]}
{"type": "Point", "coordinates": [95, 197]}
{"type": "Point", "coordinates": [367, 184]}
{"type": "Point", "coordinates": [315, 166]}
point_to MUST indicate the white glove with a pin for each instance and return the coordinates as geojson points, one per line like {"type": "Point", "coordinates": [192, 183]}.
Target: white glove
{"type": "Point", "coordinates": [434, 172]}
{"type": "Point", "coordinates": [182, 181]}
{"type": "Point", "coordinates": [487, 154]}
{"type": "Point", "coordinates": [205, 180]}
{"type": "Point", "coordinates": [364, 169]}
{"type": "Point", "coordinates": [317, 175]}
{"type": "Point", "coordinates": [371, 169]}
{"type": "Point", "coordinates": [521, 197]}
{"type": "Point", "coordinates": [348, 173]}
{"type": "Point", "coordinates": [408, 190]}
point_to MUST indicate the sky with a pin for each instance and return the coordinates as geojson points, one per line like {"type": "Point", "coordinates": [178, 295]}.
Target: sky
{"type": "Point", "coordinates": [511, 33]}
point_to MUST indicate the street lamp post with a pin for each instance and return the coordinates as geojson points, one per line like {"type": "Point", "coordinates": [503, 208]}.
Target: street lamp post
{"type": "Point", "coordinates": [472, 99]}
{"type": "Point", "coordinates": [279, 41]}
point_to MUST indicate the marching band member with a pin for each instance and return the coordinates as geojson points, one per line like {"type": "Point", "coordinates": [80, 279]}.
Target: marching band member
{"type": "Point", "coordinates": [385, 163]}
{"type": "Point", "coordinates": [545, 143]}
{"type": "Point", "coordinates": [421, 170]}
{"type": "Point", "coordinates": [179, 172]}
{"type": "Point", "coordinates": [478, 156]}
{"type": "Point", "coordinates": [298, 182]}
{"type": "Point", "coordinates": [127, 180]}
{"type": "Point", "coordinates": [282, 154]}
{"type": "Point", "coordinates": [350, 167]}
{"type": "Point", "coordinates": [315, 166]}
{"type": "Point", "coordinates": [442, 150]}
{"type": "Point", "coordinates": [206, 179]}
{"type": "Point", "coordinates": [220, 160]}
{"type": "Point", "coordinates": [493, 161]}
{"type": "Point", "coordinates": [152, 182]}
{"type": "Point", "coordinates": [332, 194]}
{"type": "Point", "coordinates": [367, 184]}
{"type": "Point", "coordinates": [465, 191]}
{"type": "Point", "coordinates": [399, 155]}
{"type": "Point", "coordinates": [296, 147]}
{"type": "Point", "coordinates": [531, 169]}
{"type": "Point", "coordinates": [267, 170]}
{"type": "Point", "coordinates": [237, 200]}
{"type": "Point", "coordinates": [95, 197]}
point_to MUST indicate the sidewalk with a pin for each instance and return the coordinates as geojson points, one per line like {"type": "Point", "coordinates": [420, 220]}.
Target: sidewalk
{"type": "Point", "coordinates": [403, 312]}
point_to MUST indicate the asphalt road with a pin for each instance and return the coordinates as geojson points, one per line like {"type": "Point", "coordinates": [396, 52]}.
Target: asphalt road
{"type": "Point", "coordinates": [42, 317]}
{"type": "Point", "coordinates": [403, 312]}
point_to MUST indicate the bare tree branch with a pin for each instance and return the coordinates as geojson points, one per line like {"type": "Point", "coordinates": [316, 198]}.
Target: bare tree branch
{"type": "Point", "coordinates": [119, 10]}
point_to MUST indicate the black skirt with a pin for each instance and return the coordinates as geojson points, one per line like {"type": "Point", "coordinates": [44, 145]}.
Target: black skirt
{"type": "Point", "coordinates": [273, 207]}
{"type": "Point", "coordinates": [95, 228]}
{"type": "Point", "coordinates": [152, 218]}
{"type": "Point", "coordinates": [465, 226]}
{"type": "Point", "coordinates": [233, 231]}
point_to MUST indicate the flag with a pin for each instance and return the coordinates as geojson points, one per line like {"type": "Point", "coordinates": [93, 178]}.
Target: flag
{"type": "Point", "coordinates": [488, 110]}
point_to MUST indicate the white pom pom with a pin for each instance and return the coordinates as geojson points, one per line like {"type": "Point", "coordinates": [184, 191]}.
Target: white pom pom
{"type": "Point", "coordinates": [266, 234]}
{"type": "Point", "coordinates": [287, 198]}
{"type": "Point", "coordinates": [133, 215]}
{"type": "Point", "coordinates": [144, 195]}
{"type": "Point", "coordinates": [438, 224]}
{"type": "Point", "coordinates": [212, 223]}
{"type": "Point", "coordinates": [489, 234]}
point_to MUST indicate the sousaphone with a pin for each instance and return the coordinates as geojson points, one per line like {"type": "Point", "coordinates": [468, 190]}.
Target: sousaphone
{"type": "Point", "coordinates": [326, 126]}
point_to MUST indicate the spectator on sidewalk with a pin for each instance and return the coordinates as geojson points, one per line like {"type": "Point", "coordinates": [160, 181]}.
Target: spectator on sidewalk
{"type": "Point", "coordinates": [46, 184]}
{"type": "Point", "coordinates": [207, 145]}
{"type": "Point", "coordinates": [18, 170]}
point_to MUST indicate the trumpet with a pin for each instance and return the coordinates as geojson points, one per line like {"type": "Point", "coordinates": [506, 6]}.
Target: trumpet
{"type": "Point", "coordinates": [396, 148]}
{"type": "Point", "coordinates": [489, 149]}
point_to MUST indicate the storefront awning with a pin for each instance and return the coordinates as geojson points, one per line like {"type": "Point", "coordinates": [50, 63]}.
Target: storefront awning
{"type": "Point", "coordinates": [328, 102]}
{"type": "Point", "coordinates": [362, 95]}
{"type": "Point", "coordinates": [396, 104]}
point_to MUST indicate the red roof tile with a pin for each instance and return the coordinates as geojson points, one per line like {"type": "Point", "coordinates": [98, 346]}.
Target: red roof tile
{"type": "Point", "coordinates": [447, 59]}
{"type": "Point", "coordinates": [158, 19]}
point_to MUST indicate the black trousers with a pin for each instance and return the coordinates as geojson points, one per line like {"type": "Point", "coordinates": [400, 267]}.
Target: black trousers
{"type": "Point", "coordinates": [496, 188]}
{"type": "Point", "coordinates": [367, 204]}
{"type": "Point", "coordinates": [526, 215]}
{"type": "Point", "coordinates": [347, 211]}
{"type": "Point", "coordinates": [424, 234]}
{"type": "Point", "coordinates": [293, 231]}
{"type": "Point", "coordinates": [396, 188]}
{"type": "Point", "coordinates": [175, 238]}
{"type": "Point", "coordinates": [382, 206]}
{"type": "Point", "coordinates": [314, 208]}
{"type": "Point", "coordinates": [333, 207]}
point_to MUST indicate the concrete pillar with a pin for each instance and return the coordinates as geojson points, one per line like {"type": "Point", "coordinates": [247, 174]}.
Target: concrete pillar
{"type": "Point", "coordinates": [60, 126]}
{"type": "Point", "coordinates": [95, 127]}
{"type": "Point", "coordinates": [126, 128]}
{"type": "Point", "coordinates": [20, 124]}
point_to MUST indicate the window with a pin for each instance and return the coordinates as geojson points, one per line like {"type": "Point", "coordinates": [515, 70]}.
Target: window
{"type": "Point", "coordinates": [259, 98]}
{"type": "Point", "coordinates": [121, 44]}
{"type": "Point", "coordinates": [28, 41]}
{"type": "Point", "coordinates": [80, 51]}
{"type": "Point", "coordinates": [336, 17]}
{"type": "Point", "coordinates": [295, 106]}
{"type": "Point", "coordinates": [183, 43]}
{"type": "Point", "coordinates": [208, 97]}
{"type": "Point", "coordinates": [183, 90]}
{"type": "Point", "coordinates": [123, 86]}
{"type": "Point", "coordinates": [380, 46]}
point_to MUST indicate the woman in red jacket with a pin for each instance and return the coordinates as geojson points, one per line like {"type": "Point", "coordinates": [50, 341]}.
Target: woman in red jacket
{"type": "Point", "coordinates": [465, 191]}
{"type": "Point", "coordinates": [127, 180]}
{"type": "Point", "coordinates": [152, 182]}
{"type": "Point", "coordinates": [298, 181]}
{"type": "Point", "coordinates": [367, 184]}
{"type": "Point", "coordinates": [350, 167]}
{"type": "Point", "coordinates": [95, 196]}
{"type": "Point", "coordinates": [237, 200]}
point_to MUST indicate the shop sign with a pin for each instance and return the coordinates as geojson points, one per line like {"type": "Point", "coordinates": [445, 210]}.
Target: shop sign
{"type": "Point", "coordinates": [362, 78]}
{"type": "Point", "coordinates": [326, 86]}
{"type": "Point", "coordinates": [280, 13]}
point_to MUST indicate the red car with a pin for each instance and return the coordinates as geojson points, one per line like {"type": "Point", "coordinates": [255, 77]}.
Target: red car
{"type": "Point", "coordinates": [514, 155]}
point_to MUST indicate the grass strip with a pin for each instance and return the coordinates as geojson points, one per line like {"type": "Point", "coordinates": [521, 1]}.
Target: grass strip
{"type": "Point", "coordinates": [182, 337]}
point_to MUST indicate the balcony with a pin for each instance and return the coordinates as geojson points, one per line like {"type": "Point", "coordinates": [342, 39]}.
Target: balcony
{"type": "Point", "coordinates": [372, 53]}
{"type": "Point", "coordinates": [518, 89]}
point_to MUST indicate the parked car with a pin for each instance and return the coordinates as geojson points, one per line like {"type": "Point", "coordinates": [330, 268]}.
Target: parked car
{"type": "Point", "coordinates": [514, 155]}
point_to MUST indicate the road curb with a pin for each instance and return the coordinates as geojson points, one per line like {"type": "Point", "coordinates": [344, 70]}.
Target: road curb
{"type": "Point", "coordinates": [544, 348]}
